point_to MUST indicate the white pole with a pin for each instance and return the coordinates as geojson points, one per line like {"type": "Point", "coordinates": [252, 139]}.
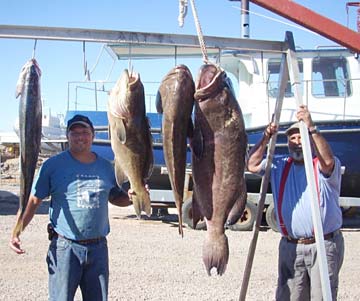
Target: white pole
{"type": "Point", "coordinates": [315, 210]}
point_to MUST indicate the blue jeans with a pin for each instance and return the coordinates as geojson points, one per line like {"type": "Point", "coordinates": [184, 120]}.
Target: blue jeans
{"type": "Point", "coordinates": [71, 265]}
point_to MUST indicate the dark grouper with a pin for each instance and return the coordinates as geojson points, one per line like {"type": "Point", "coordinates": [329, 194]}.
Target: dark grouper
{"type": "Point", "coordinates": [218, 162]}
{"type": "Point", "coordinates": [30, 117]}
{"type": "Point", "coordinates": [131, 138]}
{"type": "Point", "coordinates": [175, 100]}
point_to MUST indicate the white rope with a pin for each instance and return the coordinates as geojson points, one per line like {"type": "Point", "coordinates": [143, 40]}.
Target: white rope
{"type": "Point", "coordinates": [199, 32]}
{"type": "Point", "coordinates": [183, 4]}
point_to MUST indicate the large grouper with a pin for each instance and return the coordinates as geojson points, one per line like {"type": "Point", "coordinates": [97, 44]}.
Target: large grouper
{"type": "Point", "coordinates": [131, 139]}
{"type": "Point", "coordinates": [219, 148]}
{"type": "Point", "coordinates": [175, 100]}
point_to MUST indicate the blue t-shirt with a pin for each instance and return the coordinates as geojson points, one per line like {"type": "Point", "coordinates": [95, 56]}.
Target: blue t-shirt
{"type": "Point", "coordinates": [296, 203]}
{"type": "Point", "coordinates": [79, 195]}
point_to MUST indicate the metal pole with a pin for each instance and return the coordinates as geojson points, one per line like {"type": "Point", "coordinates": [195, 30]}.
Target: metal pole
{"type": "Point", "coordinates": [283, 80]}
{"type": "Point", "coordinates": [245, 25]}
{"type": "Point", "coordinates": [309, 169]}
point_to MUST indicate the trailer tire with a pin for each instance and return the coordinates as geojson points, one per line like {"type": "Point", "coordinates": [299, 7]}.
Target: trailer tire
{"type": "Point", "coordinates": [246, 221]}
{"type": "Point", "coordinates": [188, 218]}
{"type": "Point", "coordinates": [271, 218]}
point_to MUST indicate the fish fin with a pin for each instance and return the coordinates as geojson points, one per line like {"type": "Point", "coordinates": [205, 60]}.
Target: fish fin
{"type": "Point", "coordinates": [190, 129]}
{"type": "Point", "coordinates": [121, 131]}
{"type": "Point", "coordinates": [120, 174]}
{"type": "Point", "coordinates": [197, 143]}
{"type": "Point", "coordinates": [215, 252]}
{"type": "Point", "coordinates": [158, 103]}
{"type": "Point", "coordinates": [196, 213]}
{"type": "Point", "coordinates": [238, 208]}
{"type": "Point", "coordinates": [20, 84]}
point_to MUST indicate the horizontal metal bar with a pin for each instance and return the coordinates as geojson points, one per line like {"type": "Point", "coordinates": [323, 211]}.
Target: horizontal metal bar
{"type": "Point", "coordinates": [128, 37]}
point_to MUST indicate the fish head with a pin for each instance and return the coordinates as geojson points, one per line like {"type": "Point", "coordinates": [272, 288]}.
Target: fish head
{"type": "Point", "coordinates": [126, 99]}
{"type": "Point", "coordinates": [210, 80]}
{"type": "Point", "coordinates": [30, 69]}
{"type": "Point", "coordinates": [177, 83]}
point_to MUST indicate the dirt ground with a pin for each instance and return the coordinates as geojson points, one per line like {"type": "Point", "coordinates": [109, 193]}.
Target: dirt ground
{"type": "Point", "coordinates": [150, 261]}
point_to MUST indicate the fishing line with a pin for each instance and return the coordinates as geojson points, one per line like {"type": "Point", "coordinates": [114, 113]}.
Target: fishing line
{"type": "Point", "coordinates": [130, 66]}
{"type": "Point", "coordinates": [34, 49]}
{"type": "Point", "coordinates": [175, 55]}
{"type": "Point", "coordinates": [86, 71]}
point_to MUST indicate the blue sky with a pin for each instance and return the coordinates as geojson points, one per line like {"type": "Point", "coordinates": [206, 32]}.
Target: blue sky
{"type": "Point", "coordinates": [62, 62]}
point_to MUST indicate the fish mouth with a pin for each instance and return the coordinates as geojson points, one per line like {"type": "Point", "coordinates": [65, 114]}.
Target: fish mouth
{"type": "Point", "coordinates": [210, 80]}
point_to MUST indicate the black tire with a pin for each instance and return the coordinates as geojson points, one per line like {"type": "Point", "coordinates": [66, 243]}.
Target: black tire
{"type": "Point", "coordinates": [188, 218]}
{"type": "Point", "coordinates": [246, 221]}
{"type": "Point", "coordinates": [271, 218]}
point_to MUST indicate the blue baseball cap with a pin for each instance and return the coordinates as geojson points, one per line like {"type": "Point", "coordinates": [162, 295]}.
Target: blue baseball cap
{"type": "Point", "coordinates": [80, 120]}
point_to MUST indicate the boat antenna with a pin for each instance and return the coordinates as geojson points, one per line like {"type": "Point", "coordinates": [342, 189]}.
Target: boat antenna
{"type": "Point", "coordinates": [356, 4]}
{"type": "Point", "coordinates": [245, 24]}
{"type": "Point", "coordinates": [34, 49]}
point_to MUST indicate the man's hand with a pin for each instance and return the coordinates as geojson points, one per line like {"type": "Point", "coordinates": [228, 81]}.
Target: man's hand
{"type": "Point", "coordinates": [15, 245]}
{"type": "Point", "coordinates": [270, 130]}
{"type": "Point", "coordinates": [304, 115]}
{"type": "Point", "coordinates": [131, 192]}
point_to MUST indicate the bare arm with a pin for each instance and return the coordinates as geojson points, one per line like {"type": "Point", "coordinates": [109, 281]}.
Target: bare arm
{"type": "Point", "coordinates": [24, 220]}
{"type": "Point", "coordinates": [256, 153]}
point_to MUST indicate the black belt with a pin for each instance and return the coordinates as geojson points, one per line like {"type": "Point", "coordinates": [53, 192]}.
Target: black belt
{"type": "Point", "coordinates": [309, 240]}
{"type": "Point", "coordinates": [84, 241]}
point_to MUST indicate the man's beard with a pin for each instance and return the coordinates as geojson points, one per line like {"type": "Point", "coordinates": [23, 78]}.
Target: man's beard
{"type": "Point", "coordinates": [296, 154]}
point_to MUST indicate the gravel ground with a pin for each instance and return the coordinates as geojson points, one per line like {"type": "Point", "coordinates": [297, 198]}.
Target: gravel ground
{"type": "Point", "coordinates": [150, 261]}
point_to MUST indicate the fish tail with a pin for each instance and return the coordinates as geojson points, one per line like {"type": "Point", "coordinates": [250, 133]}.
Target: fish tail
{"type": "Point", "coordinates": [216, 253]}
{"type": "Point", "coordinates": [141, 202]}
{"type": "Point", "coordinates": [146, 204]}
{"type": "Point", "coordinates": [181, 230]}
{"type": "Point", "coordinates": [137, 206]}
{"type": "Point", "coordinates": [19, 227]}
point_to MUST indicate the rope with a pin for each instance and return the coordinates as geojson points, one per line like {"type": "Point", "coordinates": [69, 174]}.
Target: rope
{"type": "Point", "coordinates": [199, 32]}
{"type": "Point", "coordinates": [182, 11]}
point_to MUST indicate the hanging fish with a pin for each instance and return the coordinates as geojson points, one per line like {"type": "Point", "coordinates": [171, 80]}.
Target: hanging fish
{"type": "Point", "coordinates": [218, 162]}
{"type": "Point", "coordinates": [30, 119]}
{"type": "Point", "coordinates": [131, 139]}
{"type": "Point", "coordinates": [175, 100]}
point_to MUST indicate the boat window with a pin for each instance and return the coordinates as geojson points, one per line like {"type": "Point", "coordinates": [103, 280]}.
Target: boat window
{"type": "Point", "coordinates": [330, 77]}
{"type": "Point", "coordinates": [273, 78]}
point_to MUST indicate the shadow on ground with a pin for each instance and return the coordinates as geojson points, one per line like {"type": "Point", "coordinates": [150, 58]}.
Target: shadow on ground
{"type": "Point", "coordinates": [9, 204]}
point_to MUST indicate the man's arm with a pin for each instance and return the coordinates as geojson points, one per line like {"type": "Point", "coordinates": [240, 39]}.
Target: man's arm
{"type": "Point", "coordinates": [321, 147]}
{"type": "Point", "coordinates": [256, 153]}
{"type": "Point", "coordinates": [28, 215]}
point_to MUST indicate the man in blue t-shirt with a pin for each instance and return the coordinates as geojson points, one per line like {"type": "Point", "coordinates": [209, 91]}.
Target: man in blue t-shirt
{"type": "Point", "coordinates": [298, 265]}
{"type": "Point", "coordinates": [80, 184]}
